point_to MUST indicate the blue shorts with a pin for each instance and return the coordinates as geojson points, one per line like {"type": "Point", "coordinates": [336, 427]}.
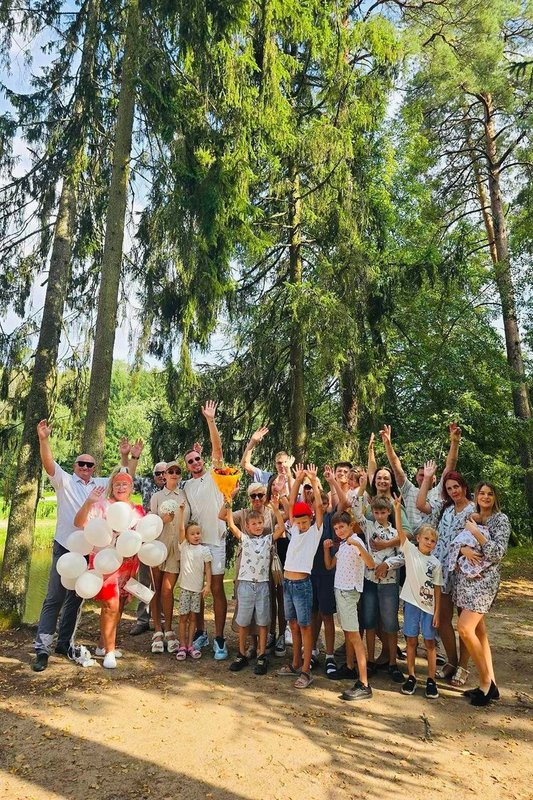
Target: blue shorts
{"type": "Point", "coordinates": [298, 600]}
{"type": "Point", "coordinates": [253, 596]}
{"type": "Point", "coordinates": [380, 600]}
{"type": "Point", "coordinates": [416, 621]}
{"type": "Point", "coordinates": [324, 593]}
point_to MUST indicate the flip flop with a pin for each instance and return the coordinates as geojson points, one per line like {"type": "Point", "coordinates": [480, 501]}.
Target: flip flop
{"type": "Point", "coordinates": [287, 671]}
{"type": "Point", "coordinates": [303, 681]}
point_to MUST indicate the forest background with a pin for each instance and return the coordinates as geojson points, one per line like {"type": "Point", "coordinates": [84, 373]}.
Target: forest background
{"type": "Point", "coordinates": [318, 213]}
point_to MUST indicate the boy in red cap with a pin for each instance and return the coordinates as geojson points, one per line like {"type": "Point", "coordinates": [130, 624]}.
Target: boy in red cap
{"type": "Point", "coordinates": [297, 587]}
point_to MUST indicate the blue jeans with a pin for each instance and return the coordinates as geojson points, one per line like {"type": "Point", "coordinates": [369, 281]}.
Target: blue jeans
{"type": "Point", "coordinates": [57, 598]}
{"type": "Point", "coordinates": [298, 600]}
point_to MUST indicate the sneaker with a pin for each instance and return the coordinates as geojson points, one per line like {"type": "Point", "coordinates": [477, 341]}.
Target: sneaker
{"type": "Point", "coordinates": [358, 692]}
{"type": "Point", "coordinates": [251, 653]}
{"type": "Point", "coordinates": [280, 648]}
{"type": "Point", "coordinates": [261, 666]}
{"type": "Point", "coordinates": [409, 687]}
{"type": "Point", "coordinates": [431, 689]}
{"type": "Point", "coordinates": [315, 663]}
{"type": "Point", "coordinates": [401, 655]}
{"type": "Point", "coordinates": [201, 640]}
{"type": "Point", "coordinates": [330, 668]}
{"type": "Point", "coordinates": [240, 663]}
{"type": "Point", "coordinates": [61, 649]}
{"type": "Point", "coordinates": [101, 651]}
{"type": "Point", "coordinates": [139, 627]}
{"type": "Point", "coordinates": [270, 645]}
{"type": "Point", "coordinates": [340, 652]}
{"type": "Point", "coordinates": [288, 636]}
{"type": "Point", "coordinates": [109, 662]}
{"type": "Point", "coordinates": [40, 663]}
{"type": "Point", "coordinates": [344, 673]}
{"type": "Point", "coordinates": [395, 673]}
{"type": "Point", "coordinates": [220, 653]}
{"type": "Point", "coordinates": [495, 692]}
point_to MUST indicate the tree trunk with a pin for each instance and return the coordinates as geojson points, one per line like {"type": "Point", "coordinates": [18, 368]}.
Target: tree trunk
{"type": "Point", "coordinates": [106, 320]}
{"type": "Point", "coordinates": [496, 226]}
{"type": "Point", "coordinates": [350, 409]}
{"type": "Point", "coordinates": [21, 525]}
{"type": "Point", "coordinates": [296, 345]}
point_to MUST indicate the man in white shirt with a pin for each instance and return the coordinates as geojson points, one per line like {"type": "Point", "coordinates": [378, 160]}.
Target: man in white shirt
{"type": "Point", "coordinates": [71, 491]}
{"type": "Point", "coordinates": [205, 501]}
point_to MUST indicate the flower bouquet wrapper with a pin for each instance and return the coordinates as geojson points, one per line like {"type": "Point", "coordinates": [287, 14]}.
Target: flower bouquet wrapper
{"type": "Point", "coordinates": [226, 479]}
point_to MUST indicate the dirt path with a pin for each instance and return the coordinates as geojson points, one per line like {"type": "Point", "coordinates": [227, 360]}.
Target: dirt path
{"type": "Point", "coordinates": [154, 728]}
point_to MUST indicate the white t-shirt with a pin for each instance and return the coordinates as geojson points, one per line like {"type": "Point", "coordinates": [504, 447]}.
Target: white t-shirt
{"type": "Point", "coordinates": [350, 569]}
{"type": "Point", "coordinates": [205, 500]}
{"type": "Point", "coordinates": [302, 548]}
{"type": "Point", "coordinates": [423, 573]}
{"type": "Point", "coordinates": [193, 558]}
{"type": "Point", "coordinates": [71, 493]}
{"type": "Point", "coordinates": [255, 558]}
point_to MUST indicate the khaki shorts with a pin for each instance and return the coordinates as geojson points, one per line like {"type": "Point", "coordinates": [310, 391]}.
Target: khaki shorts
{"type": "Point", "coordinates": [346, 600]}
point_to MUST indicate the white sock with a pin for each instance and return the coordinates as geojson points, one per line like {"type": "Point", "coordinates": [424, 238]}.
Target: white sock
{"type": "Point", "coordinates": [330, 655]}
{"type": "Point", "coordinates": [315, 653]}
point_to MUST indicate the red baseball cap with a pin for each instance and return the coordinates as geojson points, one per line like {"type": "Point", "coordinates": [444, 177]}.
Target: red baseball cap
{"type": "Point", "coordinates": [302, 510]}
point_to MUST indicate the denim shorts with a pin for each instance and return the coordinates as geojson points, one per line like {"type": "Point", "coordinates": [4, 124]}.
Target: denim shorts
{"type": "Point", "coordinates": [415, 621]}
{"type": "Point", "coordinates": [324, 593]}
{"type": "Point", "coordinates": [298, 600]}
{"type": "Point", "coordinates": [380, 600]}
{"type": "Point", "coordinates": [253, 596]}
{"type": "Point", "coordinates": [347, 600]}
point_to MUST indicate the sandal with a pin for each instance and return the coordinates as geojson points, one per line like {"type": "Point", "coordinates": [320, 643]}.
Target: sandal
{"type": "Point", "coordinates": [305, 679]}
{"type": "Point", "coordinates": [460, 677]}
{"type": "Point", "coordinates": [446, 671]}
{"type": "Point", "coordinates": [158, 642]}
{"type": "Point", "coordinates": [194, 653]}
{"type": "Point", "coordinates": [181, 655]}
{"type": "Point", "coordinates": [287, 671]}
{"type": "Point", "coordinates": [171, 641]}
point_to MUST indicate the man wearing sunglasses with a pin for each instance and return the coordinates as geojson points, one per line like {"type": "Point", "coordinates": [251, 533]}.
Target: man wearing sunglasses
{"type": "Point", "coordinates": [205, 500]}
{"type": "Point", "coordinates": [71, 492]}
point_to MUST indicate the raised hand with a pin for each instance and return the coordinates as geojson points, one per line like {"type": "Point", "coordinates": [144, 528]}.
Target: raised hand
{"type": "Point", "coordinates": [327, 543]}
{"type": "Point", "coordinates": [371, 442]}
{"type": "Point", "coordinates": [95, 495]}
{"type": "Point", "coordinates": [124, 446]}
{"type": "Point", "coordinates": [455, 432]}
{"type": "Point", "coordinates": [279, 484]}
{"type": "Point", "coordinates": [430, 469]}
{"type": "Point", "coordinates": [258, 436]}
{"type": "Point", "coordinates": [197, 447]}
{"type": "Point", "coordinates": [312, 471]}
{"type": "Point", "coordinates": [363, 480]}
{"type": "Point", "coordinates": [396, 501]}
{"type": "Point", "coordinates": [328, 472]}
{"type": "Point", "coordinates": [210, 409]}
{"type": "Point", "coordinates": [137, 448]}
{"type": "Point", "coordinates": [300, 471]}
{"type": "Point", "coordinates": [290, 461]}
{"type": "Point", "coordinates": [386, 434]}
{"type": "Point", "coordinates": [43, 429]}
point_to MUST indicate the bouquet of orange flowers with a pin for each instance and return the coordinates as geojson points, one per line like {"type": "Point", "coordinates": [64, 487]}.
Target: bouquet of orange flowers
{"type": "Point", "coordinates": [226, 478]}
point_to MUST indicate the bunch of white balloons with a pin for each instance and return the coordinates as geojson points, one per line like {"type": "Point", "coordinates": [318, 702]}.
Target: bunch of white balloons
{"type": "Point", "coordinates": [120, 519]}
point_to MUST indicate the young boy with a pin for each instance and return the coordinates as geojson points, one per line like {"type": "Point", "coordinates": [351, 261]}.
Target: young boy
{"type": "Point", "coordinates": [421, 596]}
{"type": "Point", "coordinates": [349, 563]}
{"type": "Point", "coordinates": [381, 597]}
{"type": "Point", "coordinates": [253, 587]}
{"type": "Point", "coordinates": [297, 588]}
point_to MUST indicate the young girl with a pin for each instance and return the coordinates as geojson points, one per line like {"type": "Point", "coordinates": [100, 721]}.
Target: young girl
{"type": "Point", "coordinates": [112, 596]}
{"type": "Point", "coordinates": [194, 582]}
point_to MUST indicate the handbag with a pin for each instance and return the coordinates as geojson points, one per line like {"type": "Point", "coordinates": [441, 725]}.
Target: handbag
{"type": "Point", "coordinates": [276, 569]}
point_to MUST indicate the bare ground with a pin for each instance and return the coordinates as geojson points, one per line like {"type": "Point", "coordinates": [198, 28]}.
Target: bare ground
{"type": "Point", "coordinates": [154, 728]}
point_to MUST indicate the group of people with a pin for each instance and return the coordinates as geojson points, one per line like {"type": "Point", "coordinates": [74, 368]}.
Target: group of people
{"type": "Point", "coordinates": [304, 554]}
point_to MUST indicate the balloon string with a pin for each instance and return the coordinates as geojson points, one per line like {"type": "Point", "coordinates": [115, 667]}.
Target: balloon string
{"type": "Point", "coordinates": [72, 643]}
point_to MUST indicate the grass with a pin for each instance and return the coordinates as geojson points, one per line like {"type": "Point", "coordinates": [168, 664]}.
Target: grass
{"type": "Point", "coordinates": [44, 533]}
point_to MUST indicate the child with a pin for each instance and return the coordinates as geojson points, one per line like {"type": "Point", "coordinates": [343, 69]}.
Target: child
{"type": "Point", "coordinates": [297, 587]}
{"type": "Point", "coordinates": [466, 538]}
{"type": "Point", "coordinates": [381, 597]}
{"type": "Point", "coordinates": [194, 582]}
{"type": "Point", "coordinates": [253, 587]}
{"type": "Point", "coordinates": [421, 596]}
{"type": "Point", "coordinates": [349, 563]}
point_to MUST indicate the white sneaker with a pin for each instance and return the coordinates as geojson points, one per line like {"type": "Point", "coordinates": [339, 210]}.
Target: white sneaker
{"type": "Point", "coordinates": [110, 662]}
{"type": "Point", "coordinates": [288, 636]}
{"type": "Point", "coordinates": [100, 651]}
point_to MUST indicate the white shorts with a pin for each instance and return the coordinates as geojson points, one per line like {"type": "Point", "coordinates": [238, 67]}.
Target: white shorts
{"type": "Point", "coordinates": [218, 554]}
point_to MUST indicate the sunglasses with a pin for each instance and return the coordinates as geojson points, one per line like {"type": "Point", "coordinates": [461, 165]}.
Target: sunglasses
{"type": "Point", "coordinates": [173, 471]}
{"type": "Point", "coordinates": [256, 496]}
{"type": "Point", "coordinates": [88, 464]}
{"type": "Point", "coordinates": [192, 460]}
{"type": "Point", "coordinates": [157, 473]}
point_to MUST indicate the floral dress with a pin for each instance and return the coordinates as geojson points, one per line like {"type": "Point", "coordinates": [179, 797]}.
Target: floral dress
{"type": "Point", "coordinates": [478, 595]}
{"type": "Point", "coordinates": [449, 524]}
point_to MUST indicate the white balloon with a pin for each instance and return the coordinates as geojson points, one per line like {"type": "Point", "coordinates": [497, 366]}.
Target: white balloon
{"type": "Point", "coordinates": [153, 553]}
{"type": "Point", "coordinates": [128, 543]}
{"type": "Point", "coordinates": [149, 526]}
{"type": "Point", "coordinates": [78, 543]}
{"type": "Point", "coordinates": [89, 584]}
{"type": "Point", "coordinates": [119, 516]}
{"type": "Point", "coordinates": [71, 565]}
{"type": "Point", "coordinates": [98, 532]}
{"type": "Point", "coordinates": [69, 583]}
{"type": "Point", "coordinates": [107, 561]}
